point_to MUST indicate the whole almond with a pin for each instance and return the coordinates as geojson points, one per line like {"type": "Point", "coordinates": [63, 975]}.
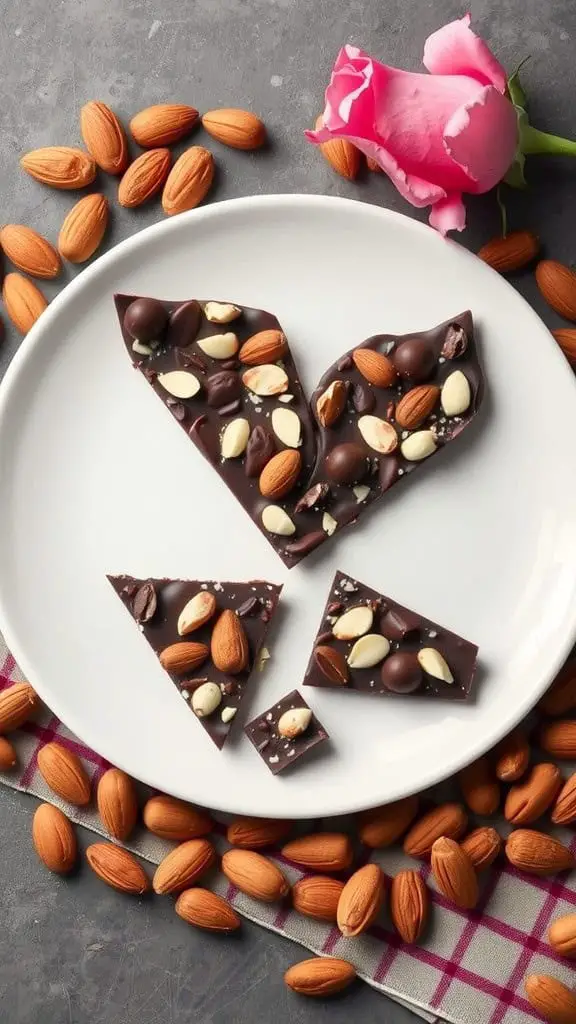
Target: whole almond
{"type": "Point", "coordinates": [558, 286]}
{"type": "Point", "coordinates": [416, 405]}
{"type": "Point", "coordinates": [117, 803]}
{"type": "Point", "coordinates": [320, 976]}
{"type": "Point", "coordinates": [361, 900]}
{"type": "Point", "coordinates": [254, 833]}
{"type": "Point", "coordinates": [183, 866]}
{"type": "Point", "coordinates": [537, 853]}
{"type": "Point", "coordinates": [382, 826]}
{"type": "Point", "coordinates": [566, 338]}
{"type": "Point", "coordinates": [322, 851]}
{"type": "Point", "coordinates": [280, 474]}
{"type": "Point", "coordinates": [446, 820]}
{"type": "Point", "coordinates": [236, 128]}
{"type": "Point", "coordinates": [204, 909]}
{"type": "Point", "coordinates": [562, 936]}
{"type": "Point", "coordinates": [331, 403]}
{"type": "Point", "coordinates": [29, 251]}
{"type": "Point", "coordinates": [254, 875]}
{"type": "Point", "coordinates": [409, 903]}
{"type": "Point", "coordinates": [482, 846]}
{"type": "Point", "coordinates": [63, 771]}
{"type": "Point", "coordinates": [454, 873]}
{"type": "Point", "coordinates": [554, 1001]}
{"type": "Point", "coordinates": [317, 896]}
{"type": "Point", "coordinates": [512, 756]}
{"type": "Point", "coordinates": [559, 739]}
{"type": "Point", "coordinates": [83, 228]}
{"type": "Point", "coordinates": [54, 839]}
{"type": "Point", "coordinates": [24, 302]}
{"type": "Point", "coordinates": [331, 663]}
{"type": "Point", "coordinates": [8, 756]}
{"type": "Point", "coordinates": [479, 787]}
{"type": "Point", "coordinates": [229, 644]}
{"type": "Point", "coordinates": [183, 656]}
{"type": "Point", "coordinates": [118, 868]}
{"type": "Point", "coordinates": [264, 347]}
{"type": "Point", "coordinates": [189, 181]}
{"type": "Point", "coordinates": [173, 819]}
{"type": "Point", "coordinates": [376, 368]}
{"type": "Point", "coordinates": [60, 166]}
{"type": "Point", "coordinates": [564, 811]}
{"type": "Point", "coordinates": [144, 178]}
{"type": "Point", "coordinates": [17, 704]}
{"type": "Point", "coordinates": [343, 156]}
{"type": "Point", "coordinates": [104, 137]}
{"type": "Point", "coordinates": [511, 252]}
{"type": "Point", "coordinates": [528, 799]}
{"type": "Point", "coordinates": [163, 124]}
{"type": "Point", "coordinates": [561, 697]}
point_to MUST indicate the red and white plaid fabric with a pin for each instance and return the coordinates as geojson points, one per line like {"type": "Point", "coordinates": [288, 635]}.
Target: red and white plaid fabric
{"type": "Point", "coordinates": [470, 967]}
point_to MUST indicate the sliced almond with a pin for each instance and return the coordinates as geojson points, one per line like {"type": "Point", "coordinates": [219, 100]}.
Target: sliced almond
{"type": "Point", "coordinates": [353, 623]}
{"type": "Point", "coordinates": [220, 346]}
{"type": "Point", "coordinates": [368, 651]}
{"type": "Point", "coordinates": [221, 312]}
{"type": "Point", "coordinates": [266, 380]}
{"type": "Point", "coordinates": [329, 524]}
{"type": "Point", "coordinates": [419, 445]}
{"type": "Point", "coordinates": [196, 612]}
{"type": "Point", "coordinates": [456, 395]}
{"type": "Point", "coordinates": [434, 664]}
{"type": "Point", "coordinates": [287, 427]}
{"type": "Point", "coordinates": [235, 438]}
{"type": "Point", "coordinates": [378, 434]}
{"type": "Point", "coordinates": [277, 521]}
{"type": "Point", "coordinates": [179, 383]}
{"type": "Point", "coordinates": [294, 722]}
{"type": "Point", "coordinates": [361, 492]}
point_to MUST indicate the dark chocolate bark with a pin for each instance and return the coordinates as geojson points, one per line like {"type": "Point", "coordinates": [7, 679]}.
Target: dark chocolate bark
{"type": "Point", "coordinates": [370, 643]}
{"type": "Point", "coordinates": [285, 732]}
{"type": "Point", "coordinates": [210, 651]}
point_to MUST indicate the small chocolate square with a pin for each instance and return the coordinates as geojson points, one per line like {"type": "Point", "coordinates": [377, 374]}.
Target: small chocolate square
{"type": "Point", "coordinates": [281, 751]}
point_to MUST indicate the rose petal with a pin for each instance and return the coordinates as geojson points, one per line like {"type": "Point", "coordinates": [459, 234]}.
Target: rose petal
{"type": "Point", "coordinates": [448, 214]}
{"type": "Point", "coordinates": [456, 50]}
{"type": "Point", "coordinates": [489, 116]}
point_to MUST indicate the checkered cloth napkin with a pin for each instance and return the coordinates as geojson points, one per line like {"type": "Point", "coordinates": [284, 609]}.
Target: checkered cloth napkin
{"type": "Point", "coordinates": [469, 969]}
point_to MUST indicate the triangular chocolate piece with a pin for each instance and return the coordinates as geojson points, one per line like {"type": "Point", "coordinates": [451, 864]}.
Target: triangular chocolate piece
{"type": "Point", "coordinates": [207, 636]}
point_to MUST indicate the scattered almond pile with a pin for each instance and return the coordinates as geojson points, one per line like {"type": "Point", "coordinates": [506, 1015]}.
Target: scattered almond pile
{"type": "Point", "coordinates": [184, 184]}
{"type": "Point", "coordinates": [457, 851]}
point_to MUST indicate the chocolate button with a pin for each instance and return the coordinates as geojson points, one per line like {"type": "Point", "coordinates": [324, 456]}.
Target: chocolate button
{"type": "Point", "coordinates": [347, 463]}
{"type": "Point", "coordinates": [184, 324]}
{"type": "Point", "coordinates": [401, 673]}
{"type": "Point", "coordinates": [259, 450]}
{"type": "Point", "coordinates": [414, 359]}
{"type": "Point", "coordinates": [145, 319]}
{"type": "Point", "coordinates": [395, 625]}
{"type": "Point", "coordinates": [222, 388]}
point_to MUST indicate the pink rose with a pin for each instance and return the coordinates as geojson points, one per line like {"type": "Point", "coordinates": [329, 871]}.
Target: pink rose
{"type": "Point", "coordinates": [436, 136]}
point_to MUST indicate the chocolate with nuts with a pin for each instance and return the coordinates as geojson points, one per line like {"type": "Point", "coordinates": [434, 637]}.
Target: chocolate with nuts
{"type": "Point", "coordinates": [284, 733]}
{"type": "Point", "coordinates": [207, 637]}
{"type": "Point", "coordinates": [370, 643]}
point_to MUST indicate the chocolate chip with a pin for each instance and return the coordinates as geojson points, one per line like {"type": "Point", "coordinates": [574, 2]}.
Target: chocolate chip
{"type": "Point", "coordinates": [145, 319]}
{"type": "Point", "coordinates": [346, 463]}
{"type": "Point", "coordinates": [334, 608]}
{"type": "Point", "coordinates": [150, 375]}
{"type": "Point", "coordinates": [144, 603]}
{"type": "Point", "coordinates": [259, 450]}
{"type": "Point", "coordinates": [184, 324]}
{"type": "Point", "coordinates": [313, 498]}
{"type": "Point", "coordinates": [414, 359]}
{"type": "Point", "coordinates": [222, 388]}
{"type": "Point", "coordinates": [248, 607]}
{"type": "Point", "coordinates": [388, 473]}
{"type": "Point", "coordinates": [206, 445]}
{"type": "Point", "coordinates": [230, 687]}
{"type": "Point", "coordinates": [363, 399]}
{"type": "Point", "coordinates": [192, 684]}
{"type": "Point", "coordinates": [401, 672]}
{"type": "Point", "coordinates": [307, 543]}
{"type": "Point", "coordinates": [230, 364]}
{"type": "Point", "coordinates": [455, 342]}
{"type": "Point", "coordinates": [177, 409]}
{"type": "Point", "coordinates": [345, 364]}
{"type": "Point", "coordinates": [395, 625]}
{"type": "Point", "coordinates": [190, 360]}
{"type": "Point", "coordinates": [231, 409]}
{"type": "Point", "coordinates": [325, 638]}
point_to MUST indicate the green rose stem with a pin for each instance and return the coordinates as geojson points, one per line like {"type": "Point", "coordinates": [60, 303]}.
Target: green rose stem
{"type": "Point", "coordinates": [532, 140]}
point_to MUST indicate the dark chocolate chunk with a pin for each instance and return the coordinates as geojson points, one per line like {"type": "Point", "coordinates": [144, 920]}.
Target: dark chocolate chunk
{"type": "Point", "coordinates": [345, 364]}
{"type": "Point", "coordinates": [222, 388]}
{"type": "Point", "coordinates": [401, 672]}
{"type": "Point", "coordinates": [334, 608]}
{"type": "Point", "coordinates": [304, 545]}
{"type": "Point", "coordinates": [396, 625]}
{"type": "Point", "coordinates": [292, 730]}
{"type": "Point", "coordinates": [192, 684]}
{"type": "Point", "coordinates": [144, 603]}
{"type": "Point", "coordinates": [332, 664]}
{"type": "Point", "coordinates": [363, 398]}
{"type": "Point", "coordinates": [231, 409]}
{"type": "Point", "coordinates": [414, 359]}
{"type": "Point", "coordinates": [313, 498]}
{"type": "Point", "coordinates": [178, 409]}
{"type": "Point", "coordinates": [388, 471]}
{"type": "Point", "coordinates": [259, 450]}
{"type": "Point", "coordinates": [248, 607]}
{"type": "Point", "coordinates": [206, 443]}
{"type": "Point", "coordinates": [456, 342]}
{"type": "Point", "coordinates": [347, 463]}
{"type": "Point", "coordinates": [184, 324]}
{"type": "Point", "coordinates": [190, 360]}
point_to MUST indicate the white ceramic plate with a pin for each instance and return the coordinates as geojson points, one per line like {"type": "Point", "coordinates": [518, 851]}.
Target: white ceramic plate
{"type": "Point", "coordinates": [95, 477]}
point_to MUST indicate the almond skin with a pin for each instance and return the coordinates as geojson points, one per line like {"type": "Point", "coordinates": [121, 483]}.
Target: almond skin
{"type": "Point", "coordinates": [173, 819]}
{"type": "Point", "coordinates": [8, 756]}
{"type": "Point", "coordinates": [382, 826]}
{"type": "Point", "coordinates": [255, 875]}
{"type": "Point", "coordinates": [163, 124]}
{"type": "Point", "coordinates": [482, 846]}
{"type": "Point", "coordinates": [189, 181]}
{"type": "Point", "coordinates": [236, 128]}
{"type": "Point", "coordinates": [479, 787]}
{"type": "Point", "coordinates": [512, 757]}
{"type": "Point", "coordinates": [454, 873]}
{"type": "Point", "coordinates": [343, 156]}
{"type": "Point", "coordinates": [317, 896]}
{"type": "Point", "coordinates": [280, 474]}
{"type": "Point", "coordinates": [446, 820]}
{"type": "Point", "coordinates": [527, 800]}
{"type": "Point", "coordinates": [561, 697]}
{"type": "Point", "coordinates": [566, 338]}
{"type": "Point", "coordinates": [416, 405]}
{"type": "Point", "coordinates": [559, 739]}
{"type": "Point", "coordinates": [361, 900]}
{"type": "Point", "coordinates": [23, 301]}
{"type": "Point", "coordinates": [118, 868]}
{"type": "Point", "coordinates": [409, 905]}
{"type": "Point", "coordinates": [117, 803]}
{"type": "Point", "coordinates": [331, 663]}
{"type": "Point", "coordinates": [557, 284]}
{"type": "Point", "coordinates": [183, 866]}
{"type": "Point", "coordinates": [144, 178]}
{"type": "Point", "coordinates": [83, 228]}
{"type": "Point", "coordinates": [29, 251]}
{"type": "Point", "coordinates": [204, 909]}
{"type": "Point", "coordinates": [63, 771]}
{"type": "Point", "coordinates": [553, 1000]}
{"type": "Point", "coordinates": [564, 811]}
{"type": "Point", "coordinates": [537, 853]}
{"type": "Point", "coordinates": [254, 833]}
{"type": "Point", "coordinates": [322, 851]}
{"type": "Point", "coordinates": [183, 656]}
{"type": "Point", "coordinates": [376, 368]}
{"type": "Point", "coordinates": [54, 839]}
{"type": "Point", "coordinates": [562, 936]}
{"type": "Point", "coordinates": [60, 167]}
{"type": "Point", "coordinates": [512, 252]}
{"type": "Point", "coordinates": [229, 644]}
{"type": "Point", "coordinates": [320, 976]}
{"type": "Point", "coordinates": [104, 137]}
{"type": "Point", "coordinates": [17, 704]}
{"type": "Point", "coordinates": [264, 347]}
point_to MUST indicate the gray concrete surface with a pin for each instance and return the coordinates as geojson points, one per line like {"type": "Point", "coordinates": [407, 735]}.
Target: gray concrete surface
{"type": "Point", "coordinates": [72, 952]}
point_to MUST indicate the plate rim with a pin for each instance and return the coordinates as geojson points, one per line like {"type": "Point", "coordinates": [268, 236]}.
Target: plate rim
{"type": "Point", "coordinates": [33, 339]}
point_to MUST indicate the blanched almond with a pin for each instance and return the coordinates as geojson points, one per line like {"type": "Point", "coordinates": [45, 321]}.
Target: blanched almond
{"type": "Point", "coordinates": [196, 612]}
